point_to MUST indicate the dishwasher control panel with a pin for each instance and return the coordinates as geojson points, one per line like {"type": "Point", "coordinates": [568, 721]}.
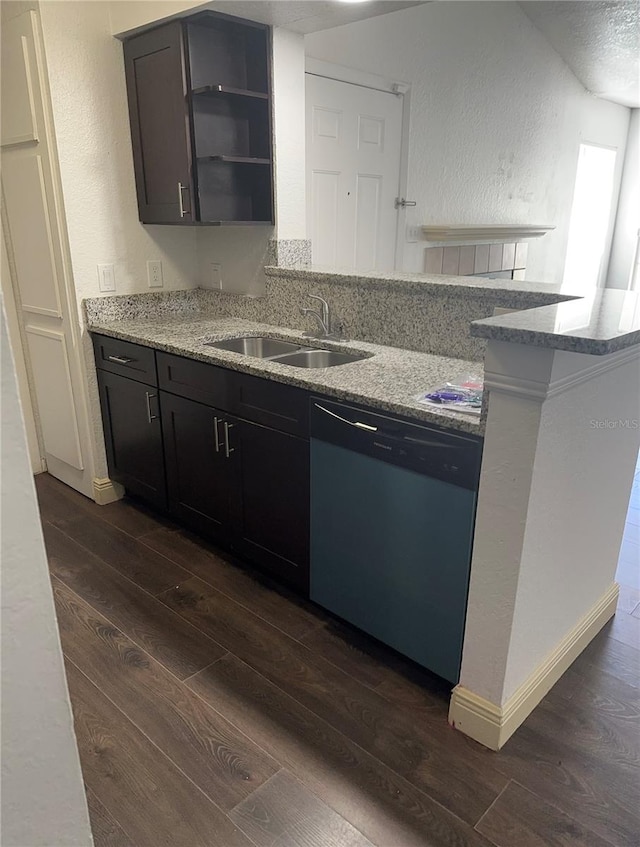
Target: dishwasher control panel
{"type": "Point", "coordinates": [448, 456]}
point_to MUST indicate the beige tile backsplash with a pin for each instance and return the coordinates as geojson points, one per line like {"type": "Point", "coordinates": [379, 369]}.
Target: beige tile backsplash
{"type": "Point", "coordinates": [467, 260]}
{"type": "Point", "coordinates": [481, 265]}
{"type": "Point", "coordinates": [451, 261]}
{"type": "Point", "coordinates": [508, 257]}
{"type": "Point", "coordinates": [472, 259]}
{"type": "Point", "coordinates": [433, 260]}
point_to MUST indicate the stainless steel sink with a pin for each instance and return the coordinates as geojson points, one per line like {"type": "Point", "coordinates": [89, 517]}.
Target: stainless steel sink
{"type": "Point", "coordinates": [286, 352]}
{"type": "Point", "coordinates": [318, 358]}
{"type": "Point", "coordinates": [261, 347]}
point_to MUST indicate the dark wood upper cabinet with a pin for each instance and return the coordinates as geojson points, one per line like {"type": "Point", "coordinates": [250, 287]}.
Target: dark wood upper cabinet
{"type": "Point", "coordinates": [200, 108]}
{"type": "Point", "coordinates": [160, 124]}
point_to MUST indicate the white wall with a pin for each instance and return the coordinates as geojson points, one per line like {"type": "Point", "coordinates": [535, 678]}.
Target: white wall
{"type": "Point", "coordinates": [43, 801]}
{"type": "Point", "coordinates": [496, 117]}
{"type": "Point", "coordinates": [627, 225]}
{"type": "Point", "coordinates": [86, 77]}
{"type": "Point", "coordinates": [290, 136]}
{"type": "Point", "coordinates": [86, 73]}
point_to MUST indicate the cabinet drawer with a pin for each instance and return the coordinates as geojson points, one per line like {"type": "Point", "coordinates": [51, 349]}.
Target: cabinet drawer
{"type": "Point", "coordinates": [195, 380]}
{"type": "Point", "coordinates": [126, 359]}
{"type": "Point", "coordinates": [281, 407]}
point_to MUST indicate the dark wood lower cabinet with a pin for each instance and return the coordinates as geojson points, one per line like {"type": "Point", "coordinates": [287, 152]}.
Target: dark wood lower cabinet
{"type": "Point", "coordinates": [226, 454]}
{"type": "Point", "coordinates": [273, 469]}
{"type": "Point", "coordinates": [199, 473]}
{"type": "Point", "coordinates": [241, 483]}
{"type": "Point", "coordinates": [133, 436]}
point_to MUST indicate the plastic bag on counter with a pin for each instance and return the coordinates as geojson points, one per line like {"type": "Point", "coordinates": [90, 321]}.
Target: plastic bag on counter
{"type": "Point", "coordinates": [462, 394]}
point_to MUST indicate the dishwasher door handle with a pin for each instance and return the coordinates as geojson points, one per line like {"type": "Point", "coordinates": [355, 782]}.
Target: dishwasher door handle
{"type": "Point", "coordinates": [356, 424]}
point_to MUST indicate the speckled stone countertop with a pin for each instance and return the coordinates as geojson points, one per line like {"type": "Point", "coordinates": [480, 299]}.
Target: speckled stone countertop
{"type": "Point", "coordinates": [389, 380]}
{"type": "Point", "coordinates": [523, 294]}
{"type": "Point", "coordinates": [603, 322]}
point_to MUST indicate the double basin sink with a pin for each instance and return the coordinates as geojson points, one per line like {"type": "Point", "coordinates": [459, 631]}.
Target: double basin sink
{"type": "Point", "coordinates": [286, 352]}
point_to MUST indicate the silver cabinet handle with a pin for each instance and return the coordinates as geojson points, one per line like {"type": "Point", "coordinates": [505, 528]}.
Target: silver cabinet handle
{"type": "Point", "coordinates": [120, 360]}
{"type": "Point", "coordinates": [182, 188]}
{"type": "Point", "coordinates": [215, 434]}
{"type": "Point", "coordinates": [150, 417]}
{"type": "Point", "coordinates": [228, 450]}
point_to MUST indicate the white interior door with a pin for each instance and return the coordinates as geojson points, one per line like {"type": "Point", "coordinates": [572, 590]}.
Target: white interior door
{"type": "Point", "coordinates": [354, 137]}
{"type": "Point", "coordinates": [37, 259]}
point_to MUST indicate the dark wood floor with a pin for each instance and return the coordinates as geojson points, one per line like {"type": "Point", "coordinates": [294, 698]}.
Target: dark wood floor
{"type": "Point", "coordinates": [212, 708]}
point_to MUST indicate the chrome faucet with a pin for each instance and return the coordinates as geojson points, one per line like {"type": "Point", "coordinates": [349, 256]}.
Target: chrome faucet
{"type": "Point", "coordinates": [324, 320]}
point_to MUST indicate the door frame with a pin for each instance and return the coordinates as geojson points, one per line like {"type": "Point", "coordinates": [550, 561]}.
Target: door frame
{"type": "Point", "coordinates": [340, 73]}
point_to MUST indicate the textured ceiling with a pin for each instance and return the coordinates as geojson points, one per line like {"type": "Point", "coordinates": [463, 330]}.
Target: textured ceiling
{"type": "Point", "coordinates": [600, 41]}
{"type": "Point", "coordinates": [306, 16]}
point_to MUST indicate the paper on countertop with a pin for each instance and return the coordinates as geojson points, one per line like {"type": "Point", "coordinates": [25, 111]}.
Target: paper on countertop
{"type": "Point", "coordinates": [462, 394]}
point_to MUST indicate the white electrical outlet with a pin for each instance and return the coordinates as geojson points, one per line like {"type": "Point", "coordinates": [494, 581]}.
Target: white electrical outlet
{"type": "Point", "coordinates": [216, 275]}
{"type": "Point", "coordinates": [414, 234]}
{"type": "Point", "coordinates": [154, 273]}
{"type": "Point", "coordinates": [106, 278]}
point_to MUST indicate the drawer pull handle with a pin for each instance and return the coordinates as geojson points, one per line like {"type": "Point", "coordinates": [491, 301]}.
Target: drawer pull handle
{"type": "Point", "coordinates": [215, 434]}
{"type": "Point", "coordinates": [183, 211]}
{"type": "Point", "coordinates": [120, 360]}
{"type": "Point", "coordinates": [228, 450]}
{"type": "Point", "coordinates": [150, 416]}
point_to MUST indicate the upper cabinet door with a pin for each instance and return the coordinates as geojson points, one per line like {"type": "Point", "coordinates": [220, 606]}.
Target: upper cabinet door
{"type": "Point", "coordinates": [159, 114]}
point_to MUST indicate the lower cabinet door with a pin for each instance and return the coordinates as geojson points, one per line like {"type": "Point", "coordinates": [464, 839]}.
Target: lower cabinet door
{"type": "Point", "coordinates": [133, 436]}
{"type": "Point", "coordinates": [199, 475]}
{"type": "Point", "coordinates": [273, 517]}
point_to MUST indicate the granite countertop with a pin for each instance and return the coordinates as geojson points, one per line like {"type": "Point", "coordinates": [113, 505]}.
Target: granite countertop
{"type": "Point", "coordinates": [524, 294]}
{"type": "Point", "coordinates": [389, 380]}
{"type": "Point", "coordinates": [605, 321]}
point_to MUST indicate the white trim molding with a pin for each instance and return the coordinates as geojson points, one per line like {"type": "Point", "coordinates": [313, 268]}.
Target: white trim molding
{"type": "Point", "coordinates": [586, 368]}
{"type": "Point", "coordinates": [106, 491]}
{"type": "Point", "coordinates": [492, 725]}
{"type": "Point", "coordinates": [480, 234]}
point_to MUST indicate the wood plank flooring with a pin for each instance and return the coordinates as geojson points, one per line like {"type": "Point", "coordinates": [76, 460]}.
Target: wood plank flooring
{"type": "Point", "coordinates": [213, 707]}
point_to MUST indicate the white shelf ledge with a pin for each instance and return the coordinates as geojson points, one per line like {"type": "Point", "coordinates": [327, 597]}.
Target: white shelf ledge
{"type": "Point", "coordinates": [482, 234]}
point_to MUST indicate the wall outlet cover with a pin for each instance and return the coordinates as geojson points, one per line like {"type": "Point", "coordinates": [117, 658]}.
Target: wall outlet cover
{"type": "Point", "coordinates": [154, 273]}
{"type": "Point", "coordinates": [216, 275]}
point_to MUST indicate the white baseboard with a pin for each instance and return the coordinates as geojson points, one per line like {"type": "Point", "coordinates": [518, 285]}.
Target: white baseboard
{"type": "Point", "coordinates": [493, 725]}
{"type": "Point", "coordinates": [106, 491]}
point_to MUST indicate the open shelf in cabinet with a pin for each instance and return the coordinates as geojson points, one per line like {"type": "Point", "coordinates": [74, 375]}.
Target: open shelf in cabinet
{"type": "Point", "coordinates": [234, 191]}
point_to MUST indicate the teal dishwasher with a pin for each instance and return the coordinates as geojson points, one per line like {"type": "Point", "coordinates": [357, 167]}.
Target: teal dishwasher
{"type": "Point", "coordinates": [392, 515]}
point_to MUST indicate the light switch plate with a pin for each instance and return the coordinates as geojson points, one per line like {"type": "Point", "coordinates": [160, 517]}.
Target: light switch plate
{"type": "Point", "coordinates": [106, 278]}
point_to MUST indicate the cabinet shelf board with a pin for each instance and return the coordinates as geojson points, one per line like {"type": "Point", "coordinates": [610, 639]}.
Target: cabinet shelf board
{"type": "Point", "coordinates": [238, 160]}
{"type": "Point", "coordinates": [217, 89]}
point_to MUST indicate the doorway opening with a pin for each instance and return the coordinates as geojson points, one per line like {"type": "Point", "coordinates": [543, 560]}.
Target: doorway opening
{"type": "Point", "coordinates": [590, 217]}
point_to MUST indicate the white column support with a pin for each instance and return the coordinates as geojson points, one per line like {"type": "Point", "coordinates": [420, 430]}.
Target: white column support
{"type": "Point", "coordinates": [561, 444]}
